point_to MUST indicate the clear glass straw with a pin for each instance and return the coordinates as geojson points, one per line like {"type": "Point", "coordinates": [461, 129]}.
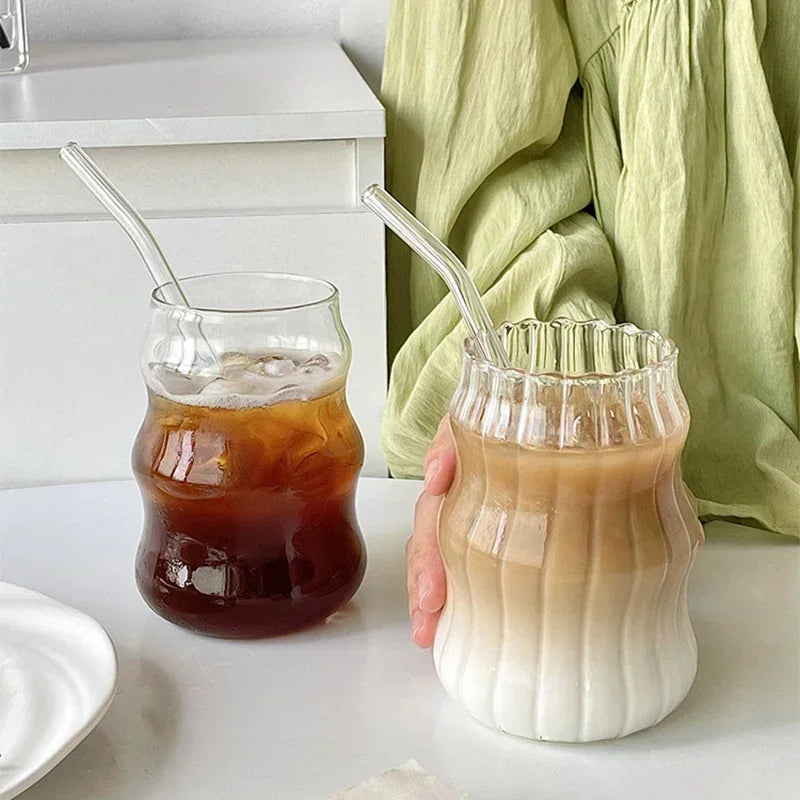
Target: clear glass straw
{"type": "Point", "coordinates": [446, 263]}
{"type": "Point", "coordinates": [127, 216]}
{"type": "Point", "coordinates": [197, 346]}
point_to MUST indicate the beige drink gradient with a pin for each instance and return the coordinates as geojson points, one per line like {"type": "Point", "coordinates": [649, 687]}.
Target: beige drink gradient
{"type": "Point", "coordinates": [567, 566]}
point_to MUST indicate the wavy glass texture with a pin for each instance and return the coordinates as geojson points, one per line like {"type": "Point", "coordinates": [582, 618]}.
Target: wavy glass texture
{"type": "Point", "coordinates": [568, 535]}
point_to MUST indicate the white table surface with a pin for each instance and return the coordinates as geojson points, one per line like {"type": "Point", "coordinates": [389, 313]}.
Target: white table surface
{"type": "Point", "coordinates": [187, 92]}
{"type": "Point", "coordinates": [308, 714]}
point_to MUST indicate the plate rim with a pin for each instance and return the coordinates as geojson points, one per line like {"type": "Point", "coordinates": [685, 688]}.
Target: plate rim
{"type": "Point", "coordinates": [38, 772]}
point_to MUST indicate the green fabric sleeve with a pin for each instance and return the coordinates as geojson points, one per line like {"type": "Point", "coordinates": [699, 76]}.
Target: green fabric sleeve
{"type": "Point", "coordinates": [567, 271]}
{"type": "Point", "coordinates": [692, 143]}
{"type": "Point", "coordinates": [684, 135]}
{"type": "Point", "coordinates": [469, 87]}
{"type": "Point", "coordinates": [486, 147]}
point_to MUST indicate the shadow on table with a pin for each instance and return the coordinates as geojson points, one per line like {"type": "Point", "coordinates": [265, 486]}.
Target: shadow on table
{"type": "Point", "coordinates": [743, 610]}
{"type": "Point", "coordinates": [384, 589]}
{"type": "Point", "coordinates": [737, 689]}
{"type": "Point", "coordinates": [144, 714]}
{"type": "Point", "coordinates": [345, 622]}
{"type": "Point", "coordinates": [746, 682]}
{"type": "Point", "coordinates": [381, 601]}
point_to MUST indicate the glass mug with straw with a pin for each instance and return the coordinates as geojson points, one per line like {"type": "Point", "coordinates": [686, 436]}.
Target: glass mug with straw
{"type": "Point", "coordinates": [248, 455]}
{"type": "Point", "coordinates": [568, 533]}
{"type": "Point", "coordinates": [248, 466]}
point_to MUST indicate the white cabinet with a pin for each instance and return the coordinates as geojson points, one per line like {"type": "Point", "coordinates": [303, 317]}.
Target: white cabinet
{"type": "Point", "coordinates": [241, 155]}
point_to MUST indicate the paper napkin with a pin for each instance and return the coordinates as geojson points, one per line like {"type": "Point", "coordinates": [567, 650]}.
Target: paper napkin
{"type": "Point", "coordinates": [407, 782]}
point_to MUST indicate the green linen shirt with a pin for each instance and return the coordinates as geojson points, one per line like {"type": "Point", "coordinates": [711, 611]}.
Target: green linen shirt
{"type": "Point", "coordinates": [627, 159]}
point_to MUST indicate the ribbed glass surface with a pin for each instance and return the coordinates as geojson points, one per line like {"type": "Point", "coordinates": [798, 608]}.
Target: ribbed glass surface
{"type": "Point", "coordinates": [568, 535]}
{"type": "Point", "coordinates": [585, 385]}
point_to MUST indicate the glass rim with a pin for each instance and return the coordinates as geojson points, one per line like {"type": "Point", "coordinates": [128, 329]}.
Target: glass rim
{"type": "Point", "coordinates": [156, 296]}
{"type": "Point", "coordinates": [664, 361]}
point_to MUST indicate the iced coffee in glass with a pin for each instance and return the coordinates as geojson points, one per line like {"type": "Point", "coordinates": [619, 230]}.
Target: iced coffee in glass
{"type": "Point", "coordinates": [568, 534]}
{"type": "Point", "coordinates": [248, 457]}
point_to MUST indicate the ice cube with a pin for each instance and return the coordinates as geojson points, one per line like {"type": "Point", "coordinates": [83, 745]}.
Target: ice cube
{"type": "Point", "coordinates": [316, 367]}
{"type": "Point", "coordinates": [233, 360]}
{"type": "Point", "coordinates": [223, 386]}
{"type": "Point", "coordinates": [317, 360]}
{"type": "Point", "coordinates": [261, 384]}
{"type": "Point", "coordinates": [290, 391]}
{"type": "Point", "coordinates": [275, 366]}
{"type": "Point", "coordinates": [175, 382]}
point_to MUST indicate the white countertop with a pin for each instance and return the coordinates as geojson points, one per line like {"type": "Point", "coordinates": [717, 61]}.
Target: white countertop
{"type": "Point", "coordinates": [187, 92]}
{"type": "Point", "coordinates": [308, 714]}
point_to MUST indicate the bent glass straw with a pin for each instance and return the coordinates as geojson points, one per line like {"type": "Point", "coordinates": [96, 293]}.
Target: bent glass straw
{"type": "Point", "coordinates": [434, 252]}
{"type": "Point", "coordinates": [132, 223]}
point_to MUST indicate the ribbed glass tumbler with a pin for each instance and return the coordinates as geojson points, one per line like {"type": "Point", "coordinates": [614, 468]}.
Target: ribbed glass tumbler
{"type": "Point", "coordinates": [568, 535]}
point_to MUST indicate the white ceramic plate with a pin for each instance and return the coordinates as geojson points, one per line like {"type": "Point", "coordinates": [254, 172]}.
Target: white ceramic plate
{"type": "Point", "coordinates": [58, 671]}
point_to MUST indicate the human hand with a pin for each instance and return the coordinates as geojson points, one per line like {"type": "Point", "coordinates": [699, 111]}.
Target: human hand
{"type": "Point", "coordinates": [425, 570]}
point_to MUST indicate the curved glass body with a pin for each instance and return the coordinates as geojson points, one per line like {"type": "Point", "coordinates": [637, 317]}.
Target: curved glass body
{"type": "Point", "coordinates": [568, 535]}
{"type": "Point", "coordinates": [248, 457]}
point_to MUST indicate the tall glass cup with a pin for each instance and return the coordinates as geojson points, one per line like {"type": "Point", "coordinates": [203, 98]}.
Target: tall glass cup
{"type": "Point", "coordinates": [248, 457]}
{"type": "Point", "coordinates": [568, 535]}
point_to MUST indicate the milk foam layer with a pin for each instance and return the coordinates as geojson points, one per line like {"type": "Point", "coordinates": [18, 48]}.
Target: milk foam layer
{"type": "Point", "coordinates": [247, 380]}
